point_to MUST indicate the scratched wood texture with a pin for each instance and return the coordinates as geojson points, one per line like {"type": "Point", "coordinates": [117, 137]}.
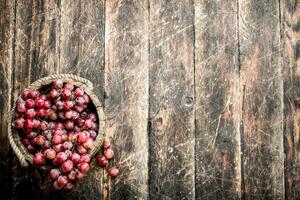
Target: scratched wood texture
{"type": "Point", "coordinates": [217, 150]}
{"type": "Point", "coordinates": [262, 99]}
{"type": "Point", "coordinates": [202, 97]}
{"type": "Point", "coordinates": [171, 96]}
{"type": "Point", "coordinates": [290, 44]}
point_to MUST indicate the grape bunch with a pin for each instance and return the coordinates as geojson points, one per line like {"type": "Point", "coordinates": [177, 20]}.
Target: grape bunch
{"type": "Point", "coordinates": [58, 126]}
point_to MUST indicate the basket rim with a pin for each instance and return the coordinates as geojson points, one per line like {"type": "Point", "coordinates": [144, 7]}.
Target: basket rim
{"type": "Point", "coordinates": [80, 82]}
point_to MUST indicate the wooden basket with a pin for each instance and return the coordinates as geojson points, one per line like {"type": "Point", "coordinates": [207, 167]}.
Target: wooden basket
{"type": "Point", "coordinates": [14, 139]}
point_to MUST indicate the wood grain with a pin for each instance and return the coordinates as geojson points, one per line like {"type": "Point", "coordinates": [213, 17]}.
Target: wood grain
{"type": "Point", "coordinates": [82, 41]}
{"type": "Point", "coordinates": [218, 171]}
{"type": "Point", "coordinates": [6, 62]}
{"type": "Point", "coordinates": [36, 55]}
{"type": "Point", "coordinates": [201, 101]}
{"type": "Point", "coordinates": [171, 100]}
{"type": "Point", "coordinates": [261, 84]}
{"type": "Point", "coordinates": [82, 52]}
{"type": "Point", "coordinates": [290, 12]}
{"type": "Point", "coordinates": [126, 86]}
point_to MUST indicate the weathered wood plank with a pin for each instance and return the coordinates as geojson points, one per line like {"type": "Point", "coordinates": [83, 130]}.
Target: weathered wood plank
{"type": "Point", "coordinates": [6, 62]}
{"type": "Point", "coordinates": [171, 100]}
{"type": "Point", "coordinates": [82, 41]}
{"type": "Point", "coordinates": [261, 85]}
{"type": "Point", "coordinates": [82, 53]}
{"type": "Point", "coordinates": [218, 171]}
{"type": "Point", "coordinates": [290, 12]}
{"type": "Point", "coordinates": [126, 86]}
{"type": "Point", "coordinates": [36, 55]}
{"type": "Point", "coordinates": [36, 41]}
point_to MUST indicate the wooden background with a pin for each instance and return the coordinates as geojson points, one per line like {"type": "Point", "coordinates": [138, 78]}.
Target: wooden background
{"type": "Point", "coordinates": [201, 96]}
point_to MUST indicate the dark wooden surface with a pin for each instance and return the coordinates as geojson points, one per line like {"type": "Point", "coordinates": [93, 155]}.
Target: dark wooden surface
{"type": "Point", "coordinates": [202, 97]}
{"type": "Point", "coordinates": [171, 96]}
{"type": "Point", "coordinates": [262, 99]}
{"type": "Point", "coordinates": [217, 150]}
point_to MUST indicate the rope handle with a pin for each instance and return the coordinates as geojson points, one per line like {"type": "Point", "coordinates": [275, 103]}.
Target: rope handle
{"type": "Point", "coordinates": [43, 81]}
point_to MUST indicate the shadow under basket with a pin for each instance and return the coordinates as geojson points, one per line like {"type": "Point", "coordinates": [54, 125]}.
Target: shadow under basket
{"type": "Point", "coordinates": [14, 138]}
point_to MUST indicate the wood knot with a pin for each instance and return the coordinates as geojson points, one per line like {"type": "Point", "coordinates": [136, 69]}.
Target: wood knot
{"type": "Point", "coordinates": [297, 102]}
{"type": "Point", "coordinates": [188, 101]}
{"type": "Point", "coordinates": [158, 124]}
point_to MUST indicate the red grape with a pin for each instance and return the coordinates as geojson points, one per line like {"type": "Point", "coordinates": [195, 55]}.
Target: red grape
{"type": "Point", "coordinates": [72, 136]}
{"type": "Point", "coordinates": [46, 145]}
{"type": "Point", "coordinates": [81, 150]}
{"type": "Point", "coordinates": [80, 122]}
{"type": "Point", "coordinates": [69, 86]}
{"type": "Point", "coordinates": [21, 108]}
{"type": "Point", "coordinates": [50, 154]}
{"type": "Point", "coordinates": [109, 154]}
{"type": "Point", "coordinates": [53, 94]}
{"type": "Point", "coordinates": [68, 105]}
{"type": "Point", "coordinates": [102, 161]}
{"type": "Point", "coordinates": [75, 158]}
{"type": "Point", "coordinates": [89, 143]}
{"type": "Point", "coordinates": [58, 148]}
{"type": "Point", "coordinates": [56, 186]}
{"type": "Point", "coordinates": [57, 84]}
{"type": "Point", "coordinates": [30, 113]}
{"type": "Point", "coordinates": [39, 102]}
{"type": "Point", "coordinates": [85, 158]}
{"type": "Point", "coordinates": [31, 135]}
{"type": "Point", "coordinates": [93, 134]}
{"type": "Point", "coordinates": [29, 103]}
{"type": "Point", "coordinates": [79, 101]}
{"type": "Point", "coordinates": [24, 94]}
{"type": "Point", "coordinates": [113, 171]}
{"type": "Point", "coordinates": [67, 166]}
{"type": "Point", "coordinates": [19, 123]}
{"type": "Point", "coordinates": [59, 105]}
{"type": "Point", "coordinates": [78, 108]}
{"type": "Point", "coordinates": [68, 114]}
{"type": "Point", "coordinates": [31, 149]}
{"type": "Point", "coordinates": [33, 94]}
{"type": "Point", "coordinates": [106, 143]}
{"type": "Point", "coordinates": [61, 157]}
{"type": "Point", "coordinates": [67, 145]}
{"type": "Point", "coordinates": [78, 92]}
{"type": "Point", "coordinates": [82, 136]}
{"type": "Point", "coordinates": [62, 180]}
{"type": "Point", "coordinates": [66, 94]}
{"type": "Point", "coordinates": [40, 140]}
{"type": "Point", "coordinates": [71, 175]}
{"type": "Point", "coordinates": [69, 125]}
{"type": "Point", "coordinates": [84, 167]}
{"type": "Point", "coordinates": [55, 173]}
{"type": "Point", "coordinates": [36, 123]}
{"type": "Point", "coordinates": [88, 124]}
{"type": "Point", "coordinates": [79, 175]}
{"type": "Point", "coordinates": [69, 186]}
{"type": "Point", "coordinates": [41, 112]}
{"type": "Point", "coordinates": [56, 139]}
{"type": "Point", "coordinates": [47, 104]}
{"type": "Point", "coordinates": [25, 141]}
{"type": "Point", "coordinates": [86, 98]}
{"type": "Point", "coordinates": [38, 159]}
{"type": "Point", "coordinates": [53, 115]}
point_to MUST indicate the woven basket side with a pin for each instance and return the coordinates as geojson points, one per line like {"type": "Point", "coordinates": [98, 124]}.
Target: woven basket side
{"type": "Point", "coordinates": [18, 151]}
